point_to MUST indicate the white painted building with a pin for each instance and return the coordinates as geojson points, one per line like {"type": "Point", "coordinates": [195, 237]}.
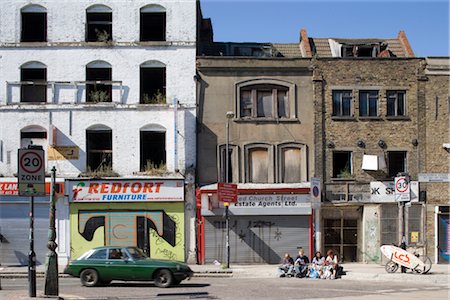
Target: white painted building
{"type": "Point", "coordinates": [104, 86]}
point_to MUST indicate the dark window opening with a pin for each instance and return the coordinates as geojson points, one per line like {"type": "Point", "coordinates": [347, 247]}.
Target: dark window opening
{"type": "Point", "coordinates": [396, 103]}
{"type": "Point", "coordinates": [34, 27]}
{"type": "Point", "coordinates": [264, 101]}
{"type": "Point", "coordinates": [153, 150]}
{"type": "Point", "coordinates": [342, 103]}
{"type": "Point", "coordinates": [360, 51]}
{"type": "Point", "coordinates": [153, 85]}
{"type": "Point", "coordinates": [96, 91]}
{"type": "Point", "coordinates": [258, 165]}
{"type": "Point", "coordinates": [368, 103]}
{"type": "Point", "coordinates": [33, 135]}
{"type": "Point", "coordinates": [396, 162]}
{"type": "Point", "coordinates": [99, 27]}
{"type": "Point", "coordinates": [153, 26]}
{"type": "Point", "coordinates": [223, 163]}
{"type": "Point", "coordinates": [34, 85]}
{"type": "Point", "coordinates": [99, 150]}
{"type": "Point", "coordinates": [342, 164]}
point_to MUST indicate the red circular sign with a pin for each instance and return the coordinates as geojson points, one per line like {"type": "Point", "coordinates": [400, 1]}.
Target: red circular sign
{"type": "Point", "coordinates": [401, 185]}
{"type": "Point", "coordinates": [31, 162]}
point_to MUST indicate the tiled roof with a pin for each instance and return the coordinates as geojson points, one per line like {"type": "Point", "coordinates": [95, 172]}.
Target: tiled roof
{"type": "Point", "coordinates": [321, 46]}
{"type": "Point", "coordinates": [288, 50]}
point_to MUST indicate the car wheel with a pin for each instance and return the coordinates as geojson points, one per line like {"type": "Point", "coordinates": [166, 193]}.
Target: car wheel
{"type": "Point", "coordinates": [163, 278]}
{"type": "Point", "coordinates": [89, 277]}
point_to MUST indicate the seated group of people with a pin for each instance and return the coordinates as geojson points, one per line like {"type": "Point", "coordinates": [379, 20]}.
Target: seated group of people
{"type": "Point", "coordinates": [319, 267]}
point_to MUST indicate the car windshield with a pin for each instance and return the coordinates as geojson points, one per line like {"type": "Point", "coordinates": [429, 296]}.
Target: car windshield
{"type": "Point", "coordinates": [136, 253]}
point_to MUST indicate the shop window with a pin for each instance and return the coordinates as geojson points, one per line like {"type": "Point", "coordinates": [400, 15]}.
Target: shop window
{"type": "Point", "coordinates": [33, 135]}
{"type": "Point", "coordinates": [264, 101]}
{"type": "Point", "coordinates": [414, 224]}
{"type": "Point", "coordinates": [99, 149]}
{"type": "Point", "coordinates": [34, 24]}
{"type": "Point", "coordinates": [153, 23]}
{"type": "Point", "coordinates": [33, 77]}
{"type": "Point", "coordinates": [153, 151]}
{"type": "Point", "coordinates": [396, 162]}
{"type": "Point", "coordinates": [368, 103]}
{"type": "Point", "coordinates": [98, 24]}
{"type": "Point", "coordinates": [396, 103]}
{"type": "Point", "coordinates": [153, 83]}
{"type": "Point", "coordinates": [342, 103]}
{"type": "Point", "coordinates": [232, 164]}
{"type": "Point", "coordinates": [291, 163]}
{"type": "Point", "coordinates": [389, 224]}
{"type": "Point", "coordinates": [98, 82]}
{"type": "Point", "coordinates": [258, 165]}
{"type": "Point", "coordinates": [342, 164]}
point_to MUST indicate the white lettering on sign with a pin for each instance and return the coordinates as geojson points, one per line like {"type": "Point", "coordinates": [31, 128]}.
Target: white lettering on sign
{"type": "Point", "coordinates": [272, 201]}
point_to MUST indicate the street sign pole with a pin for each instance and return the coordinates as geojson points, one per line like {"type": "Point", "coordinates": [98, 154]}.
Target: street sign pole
{"type": "Point", "coordinates": [227, 225]}
{"type": "Point", "coordinates": [403, 195]}
{"type": "Point", "coordinates": [32, 255]}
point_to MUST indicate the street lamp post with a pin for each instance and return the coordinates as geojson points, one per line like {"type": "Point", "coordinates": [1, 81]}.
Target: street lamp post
{"type": "Point", "coordinates": [51, 273]}
{"type": "Point", "coordinates": [230, 115]}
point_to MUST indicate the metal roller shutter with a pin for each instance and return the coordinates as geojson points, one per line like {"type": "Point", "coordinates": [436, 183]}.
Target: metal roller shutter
{"type": "Point", "coordinates": [14, 228]}
{"type": "Point", "coordinates": [256, 239]}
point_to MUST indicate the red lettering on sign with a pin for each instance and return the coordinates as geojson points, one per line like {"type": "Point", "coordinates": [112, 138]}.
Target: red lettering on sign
{"type": "Point", "coordinates": [158, 186]}
{"type": "Point", "coordinates": [125, 187]}
{"type": "Point", "coordinates": [93, 188]}
{"type": "Point", "coordinates": [136, 187]}
{"type": "Point", "coordinates": [148, 187]}
{"type": "Point", "coordinates": [115, 188]}
{"type": "Point", "coordinates": [104, 188]}
{"type": "Point", "coordinates": [402, 257]}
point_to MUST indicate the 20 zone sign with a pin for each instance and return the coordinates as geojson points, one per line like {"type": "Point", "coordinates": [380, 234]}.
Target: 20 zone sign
{"type": "Point", "coordinates": [31, 171]}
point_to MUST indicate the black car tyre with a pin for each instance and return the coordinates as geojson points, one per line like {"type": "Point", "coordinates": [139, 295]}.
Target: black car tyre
{"type": "Point", "coordinates": [163, 278]}
{"type": "Point", "coordinates": [89, 277]}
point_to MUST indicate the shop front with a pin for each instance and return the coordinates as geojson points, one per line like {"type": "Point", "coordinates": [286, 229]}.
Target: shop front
{"type": "Point", "coordinates": [146, 213]}
{"type": "Point", "coordinates": [264, 224]}
{"type": "Point", "coordinates": [15, 225]}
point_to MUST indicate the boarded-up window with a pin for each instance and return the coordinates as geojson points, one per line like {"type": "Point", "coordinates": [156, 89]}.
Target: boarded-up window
{"type": "Point", "coordinates": [389, 224]}
{"type": "Point", "coordinates": [258, 165]}
{"type": "Point", "coordinates": [291, 165]}
{"type": "Point", "coordinates": [414, 223]}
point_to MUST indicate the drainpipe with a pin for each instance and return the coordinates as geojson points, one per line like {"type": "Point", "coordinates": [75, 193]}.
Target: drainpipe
{"type": "Point", "coordinates": [175, 136]}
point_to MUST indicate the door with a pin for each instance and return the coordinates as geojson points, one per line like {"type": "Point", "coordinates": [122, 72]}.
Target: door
{"type": "Point", "coordinates": [119, 265]}
{"type": "Point", "coordinates": [341, 235]}
{"type": "Point", "coordinates": [443, 238]}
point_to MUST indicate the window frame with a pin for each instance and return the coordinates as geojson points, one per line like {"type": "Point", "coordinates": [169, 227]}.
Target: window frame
{"type": "Point", "coordinates": [395, 93]}
{"type": "Point", "coordinates": [98, 129]}
{"type": "Point", "coordinates": [341, 100]}
{"type": "Point", "coordinates": [405, 162]}
{"type": "Point", "coordinates": [157, 10]}
{"type": "Point", "coordinates": [101, 65]}
{"type": "Point", "coordinates": [270, 157]}
{"type": "Point", "coordinates": [303, 161]}
{"type": "Point", "coordinates": [335, 175]}
{"type": "Point", "coordinates": [33, 9]}
{"type": "Point", "coordinates": [234, 161]}
{"type": "Point", "coordinates": [35, 83]}
{"type": "Point", "coordinates": [266, 84]}
{"type": "Point", "coordinates": [99, 9]}
{"type": "Point", "coordinates": [367, 99]}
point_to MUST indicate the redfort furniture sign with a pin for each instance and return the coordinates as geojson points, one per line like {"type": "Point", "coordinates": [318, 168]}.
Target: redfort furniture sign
{"type": "Point", "coordinates": [126, 190]}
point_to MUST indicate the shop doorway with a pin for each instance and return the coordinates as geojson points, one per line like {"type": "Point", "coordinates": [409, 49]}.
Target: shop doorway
{"type": "Point", "coordinates": [443, 236]}
{"type": "Point", "coordinates": [341, 235]}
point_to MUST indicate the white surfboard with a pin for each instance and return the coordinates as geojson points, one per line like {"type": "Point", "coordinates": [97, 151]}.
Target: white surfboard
{"type": "Point", "coordinates": [402, 257]}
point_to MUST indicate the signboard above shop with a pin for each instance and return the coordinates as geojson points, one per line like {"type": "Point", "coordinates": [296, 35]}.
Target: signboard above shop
{"type": "Point", "coordinates": [384, 191]}
{"type": "Point", "coordinates": [126, 190]}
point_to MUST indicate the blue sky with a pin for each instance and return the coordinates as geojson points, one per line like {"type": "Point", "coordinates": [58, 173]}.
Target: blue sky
{"type": "Point", "coordinates": [426, 23]}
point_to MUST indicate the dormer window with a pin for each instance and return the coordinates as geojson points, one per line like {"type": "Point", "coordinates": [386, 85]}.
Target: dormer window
{"type": "Point", "coordinates": [360, 50]}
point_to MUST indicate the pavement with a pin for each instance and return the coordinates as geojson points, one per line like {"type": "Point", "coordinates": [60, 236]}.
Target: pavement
{"type": "Point", "coordinates": [439, 274]}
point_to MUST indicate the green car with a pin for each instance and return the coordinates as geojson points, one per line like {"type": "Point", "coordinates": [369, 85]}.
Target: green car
{"type": "Point", "coordinates": [103, 264]}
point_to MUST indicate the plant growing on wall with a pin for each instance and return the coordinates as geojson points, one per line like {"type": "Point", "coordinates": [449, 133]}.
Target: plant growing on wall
{"type": "Point", "coordinates": [102, 36]}
{"type": "Point", "coordinates": [157, 98]}
{"type": "Point", "coordinates": [152, 168]}
{"type": "Point", "coordinates": [99, 96]}
{"type": "Point", "coordinates": [103, 170]}
{"type": "Point", "coordinates": [345, 172]}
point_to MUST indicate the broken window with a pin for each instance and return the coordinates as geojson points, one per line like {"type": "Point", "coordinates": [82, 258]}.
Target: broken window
{"type": "Point", "coordinates": [153, 84]}
{"type": "Point", "coordinates": [342, 164]}
{"type": "Point", "coordinates": [342, 103]}
{"type": "Point", "coordinates": [290, 164]}
{"type": "Point", "coordinates": [258, 165]}
{"type": "Point", "coordinates": [153, 23]}
{"type": "Point", "coordinates": [264, 101]}
{"type": "Point", "coordinates": [98, 24]}
{"type": "Point", "coordinates": [396, 103]}
{"type": "Point", "coordinates": [99, 149]}
{"type": "Point", "coordinates": [360, 50]}
{"type": "Point", "coordinates": [368, 103]}
{"type": "Point", "coordinates": [34, 24]}
{"type": "Point", "coordinates": [98, 82]}
{"type": "Point", "coordinates": [232, 150]}
{"type": "Point", "coordinates": [34, 83]}
{"type": "Point", "coordinates": [33, 135]}
{"type": "Point", "coordinates": [396, 162]}
{"type": "Point", "coordinates": [153, 151]}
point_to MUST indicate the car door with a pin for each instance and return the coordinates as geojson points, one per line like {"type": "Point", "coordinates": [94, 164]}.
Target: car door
{"type": "Point", "coordinates": [118, 265]}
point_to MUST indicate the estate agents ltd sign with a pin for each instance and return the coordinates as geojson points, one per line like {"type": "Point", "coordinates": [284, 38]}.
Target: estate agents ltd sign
{"type": "Point", "coordinates": [272, 201]}
{"type": "Point", "coordinates": [126, 190]}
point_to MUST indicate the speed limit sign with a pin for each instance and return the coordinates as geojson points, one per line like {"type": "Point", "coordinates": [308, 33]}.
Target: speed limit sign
{"type": "Point", "coordinates": [402, 189]}
{"type": "Point", "coordinates": [31, 165]}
